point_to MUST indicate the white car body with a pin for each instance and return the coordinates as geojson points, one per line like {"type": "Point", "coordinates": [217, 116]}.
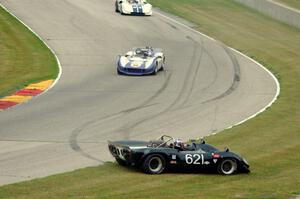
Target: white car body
{"type": "Point", "coordinates": [133, 7]}
{"type": "Point", "coordinates": [141, 61]}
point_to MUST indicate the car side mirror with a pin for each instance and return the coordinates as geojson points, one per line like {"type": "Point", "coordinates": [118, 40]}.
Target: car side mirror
{"type": "Point", "coordinates": [226, 149]}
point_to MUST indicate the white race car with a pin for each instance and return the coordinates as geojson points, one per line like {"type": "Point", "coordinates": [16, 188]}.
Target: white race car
{"type": "Point", "coordinates": [141, 61]}
{"type": "Point", "coordinates": [134, 7]}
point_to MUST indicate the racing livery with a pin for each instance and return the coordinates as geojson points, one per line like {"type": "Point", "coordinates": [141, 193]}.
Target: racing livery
{"type": "Point", "coordinates": [156, 156]}
{"type": "Point", "coordinates": [141, 61]}
{"type": "Point", "coordinates": [133, 7]}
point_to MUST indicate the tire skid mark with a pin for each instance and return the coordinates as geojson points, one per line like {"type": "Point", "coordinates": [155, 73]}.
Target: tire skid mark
{"type": "Point", "coordinates": [193, 70]}
{"type": "Point", "coordinates": [236, 78]}
{"type": "Point", "coordinates": [47, 141]}
{"type": "Point", "coordinates": [186, 79]}
{"type": "Point", "coordinates": [215, 65]}
{"type": "Point", "coordinates": [129, 128]}
{"type": "Point", "coordinates": [234, 85]}
{"type": "Point", "coordinates": [156, 29]}
{"type": "Point", "coordinates": [171, 25]}
{"type": "Point", "coordinates": [73, 138]}
{"type": "Point", "coordinates": [195, 74]}
{"type": "Point", "coordinates": [193, 67]}
{"type": "Point", "coordinates": [15, 176]}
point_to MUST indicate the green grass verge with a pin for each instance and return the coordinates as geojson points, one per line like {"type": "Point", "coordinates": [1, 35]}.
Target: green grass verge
{"type": "Point", "coordinates": [290, 3]}
{"type": "Point", "coordinates": [270, 141]}
{"type": "Point", "coordinates": [24, 59]}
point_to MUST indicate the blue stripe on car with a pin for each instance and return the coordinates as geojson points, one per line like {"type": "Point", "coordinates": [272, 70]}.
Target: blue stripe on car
{"type": "Point", "coordinates": [141, 70]}
{"type": "Point", "coordinates": [137, 8]}
{"type": "Point", "coordinates": [140, 8]}
{"type": "Point", "coordinates": [134, 8]}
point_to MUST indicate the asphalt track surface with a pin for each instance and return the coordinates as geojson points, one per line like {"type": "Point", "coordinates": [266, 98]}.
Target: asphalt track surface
{"type": "Point", "coordinates": [205, 88]}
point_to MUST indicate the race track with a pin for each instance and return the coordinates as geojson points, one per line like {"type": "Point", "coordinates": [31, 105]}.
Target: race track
{"type": "Point", "coordinates": [205, 88]}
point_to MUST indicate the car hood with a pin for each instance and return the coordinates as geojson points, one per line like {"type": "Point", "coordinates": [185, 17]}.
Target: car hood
{"type": "Point", "coordinates": [136, 62]}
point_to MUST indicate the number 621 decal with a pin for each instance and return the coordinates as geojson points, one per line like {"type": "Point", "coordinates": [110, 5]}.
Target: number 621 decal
{"type": "Point", "coordinates": [194, 158]}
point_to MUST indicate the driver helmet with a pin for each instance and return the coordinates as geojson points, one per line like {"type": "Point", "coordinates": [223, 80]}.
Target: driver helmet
{"type": "Point", "coordinates": [178, 143]}
{"type": "Point", "coordinates": [148, 51]}
{"type": "Point", "coordinates": [138, 51]}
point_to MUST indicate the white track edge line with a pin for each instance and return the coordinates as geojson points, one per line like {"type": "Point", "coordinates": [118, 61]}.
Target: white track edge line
{"type": "Point", "coordinates": [256, 62]}
{"type": "Point", "coordinates": [175, 21]}
{"type": "Point", "coordinates": [285, 6]}
{"type": "Point", "coordinates": [51, 50]}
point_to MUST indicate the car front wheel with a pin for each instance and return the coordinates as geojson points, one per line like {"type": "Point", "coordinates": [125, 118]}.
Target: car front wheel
{"type": "Point", "coordinates": [227, 166]}
{"type": "Point", "coordinates": [116, 7]}
{"type": "Point", "coordinates": [154, 164]}
{"type": "Point", "coordinates": [156, 69]}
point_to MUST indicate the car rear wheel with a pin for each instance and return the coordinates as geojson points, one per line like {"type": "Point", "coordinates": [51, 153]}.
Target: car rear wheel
{"type": "Point", "coordinates": [154, 164]}
{"type": "Point", "coordinates": [227, 166]}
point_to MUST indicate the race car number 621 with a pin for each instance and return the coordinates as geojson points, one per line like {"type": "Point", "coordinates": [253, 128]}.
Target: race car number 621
{"type": "Point", "coordinates": [194, 159]}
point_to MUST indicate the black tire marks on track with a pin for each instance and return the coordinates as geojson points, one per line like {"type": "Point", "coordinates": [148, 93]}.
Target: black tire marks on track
{"type": "Point", "coordinates": [178, 103]}
{"type": "Point", "coordinates": [73, 139]}
{"type": "Point", "coordinates": [236, 77]}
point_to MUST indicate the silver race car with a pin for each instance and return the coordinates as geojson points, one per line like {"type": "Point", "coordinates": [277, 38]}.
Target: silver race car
{"type": "Point", "coordinates": [133, 7]}
{"type": "Point", "coordinates": [141, 61]}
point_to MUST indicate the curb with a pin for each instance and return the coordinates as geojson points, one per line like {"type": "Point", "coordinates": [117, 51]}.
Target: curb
{"type": "Point", "coordinates": [54, 82]}
{"type": "Point", "coordinates": [24, 94]}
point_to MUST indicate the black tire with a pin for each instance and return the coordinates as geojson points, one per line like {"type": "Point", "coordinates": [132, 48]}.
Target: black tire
{"type": "Point", "coordinates": [155, 71]}
{"type": "Point", "coordinates": [121, 162]}
{"type": "Point", "coordinates": [162, 68]}
{"type": "Point", "coordinates": [164, 62]}
{"type": "Point", "coordinates": [116, 7]}
{"type": "Point", "coordinates": [154, 164]}
{"type": "Point", "coordinates": [227, 166]}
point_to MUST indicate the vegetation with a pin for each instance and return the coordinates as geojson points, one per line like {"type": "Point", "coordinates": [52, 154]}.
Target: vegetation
{"type": "Point", "coordinates": [24, 59]}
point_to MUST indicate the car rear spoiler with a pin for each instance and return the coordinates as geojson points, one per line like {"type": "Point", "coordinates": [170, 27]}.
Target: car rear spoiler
{"type": "Point", "coordinates": [117, 144]}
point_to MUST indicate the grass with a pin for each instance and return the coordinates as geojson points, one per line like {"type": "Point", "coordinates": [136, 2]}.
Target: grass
{"type": "Point", "coordinates": [24, 59]}
{"type": "Point", "coordinates": [291, 3]}
{"type": "Point", "coordinates": [270, 141]}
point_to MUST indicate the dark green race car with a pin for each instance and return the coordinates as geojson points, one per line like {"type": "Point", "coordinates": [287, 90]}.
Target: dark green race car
{"type": "Point", "coordinates": [156, 156]}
